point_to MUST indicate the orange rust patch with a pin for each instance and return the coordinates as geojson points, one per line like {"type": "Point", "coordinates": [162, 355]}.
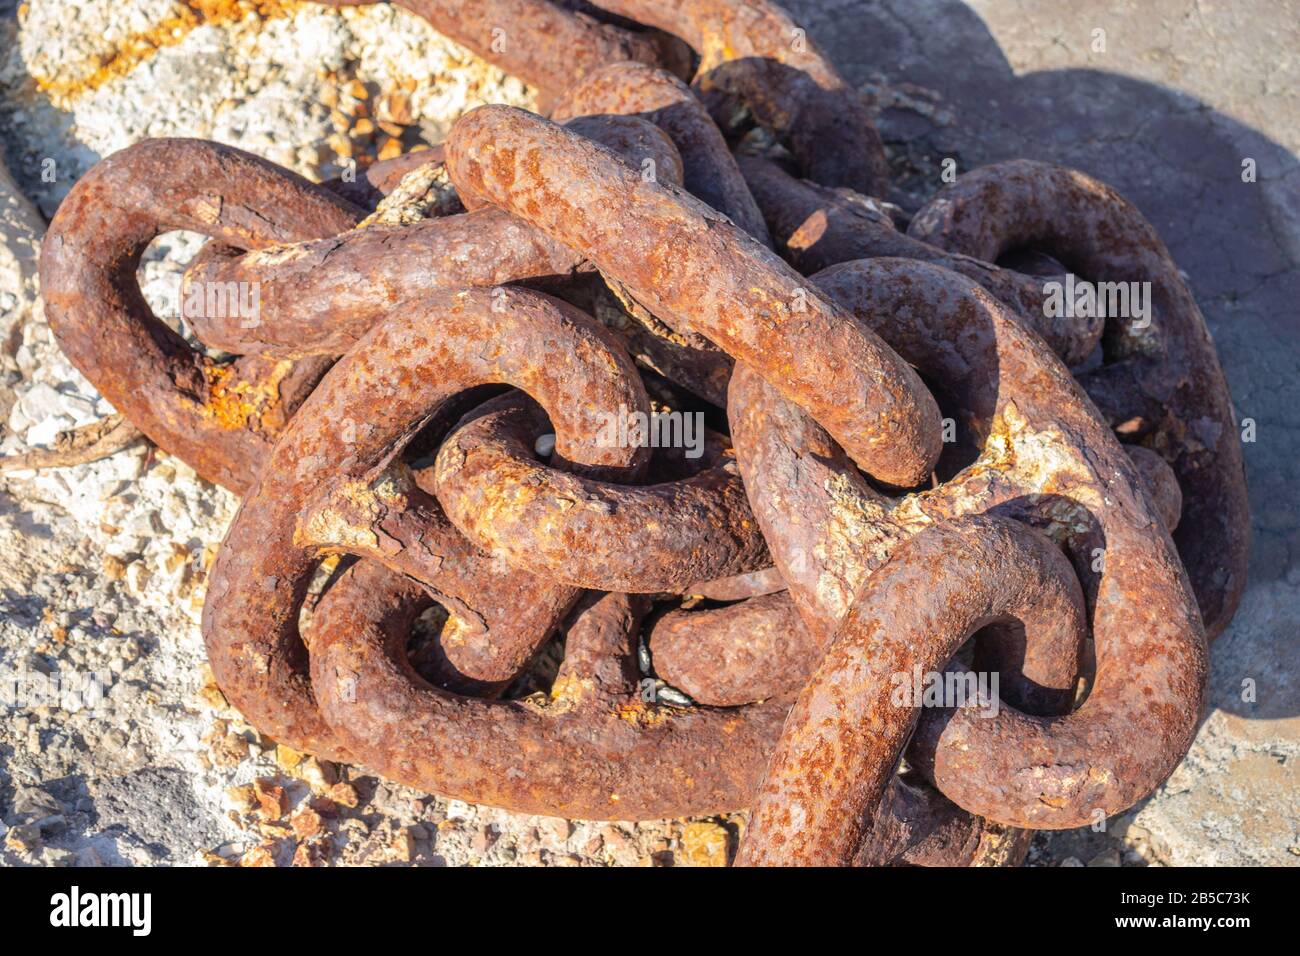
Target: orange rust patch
{"type": "Point", "coordinates": [171, 30]}
{"type": "Point", "coordinates": [636, 712]}
{"type": "Point", "coordinates": [238, 403]}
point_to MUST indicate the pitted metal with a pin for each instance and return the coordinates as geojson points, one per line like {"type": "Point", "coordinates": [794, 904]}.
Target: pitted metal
{"type": "Point", "coordinates": [893, 469]}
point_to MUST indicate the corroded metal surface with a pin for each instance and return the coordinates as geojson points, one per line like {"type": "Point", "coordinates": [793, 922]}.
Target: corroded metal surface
{"type": "Point", "coordinates": [846, 733]}
{"type": "Point", "coordinates": [588, 533]}
{"type": "Point", "coordinates": [816, 227]}
{"type": "Point", "coordinates": [407, 366]}
{"type": "Point", "coordinates": [737, 654]}
{"type": "Point", "coordinates": [695, 267]}
{"type": "Point", "coordinates": [538, 41]}
{"type": "Point", "coordinates": [591, 749]}
{"type": "Point", "coordinates": [318, 297]}
{"type": "Point", "coordinates": [754, 55]}
{"type": "Point", "coordinates": [1044, 456]}
{"type": "Point", "coordinates": [220, 418]}
{"type": "Point", "coordinates": [1161, 383]}
{"type": "Point", "coordinates": [711, 174]}
{"type": "Point", "coordinates": [516, 311]}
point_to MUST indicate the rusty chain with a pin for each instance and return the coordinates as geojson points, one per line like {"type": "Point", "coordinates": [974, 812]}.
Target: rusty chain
{"type": "Point", "coordinates": [455, 373]}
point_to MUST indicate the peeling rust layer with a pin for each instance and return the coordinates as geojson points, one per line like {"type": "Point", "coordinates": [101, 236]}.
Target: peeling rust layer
{"type": "Point", "coordinates": [1044, 457]}
{"type": "Point", "coordinates": [754, 55]}
{"type": "Point", "coordinates": [684, 358]}
{"type": "Point", "coordinates": [1035, 521]}
{"type": "Point", "coordinates": [219, 418]}
{"type": "Point", "coordinates": [587, 533]}
{"type": "Point", "coordinates": [319, 297]}
{"type": "Point", "coordinates": [710, 171]}
{"type": "Point", "coordinates": [592, 750]}
{"type": "Point", "coordinates": [816, 227]}
{"type": "Point", "coordinates": [407, 368]}
{"type": "Point", "coordinates": [380, 178]}
{"type": "Point", "coordinates": [499, 616]}
{"type": "Point", "coordinates": [1160, 384]}
{"type": "Point", "coordinates": [689, 265]}
{"type": "Point", "coordinates": [737, 654]}
{"type": "Point", "coordinates": [740, 586]}
{"type": "Point", "coordinates": [845, 736]}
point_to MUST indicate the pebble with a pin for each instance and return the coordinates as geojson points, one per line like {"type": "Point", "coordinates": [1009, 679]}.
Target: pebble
{"type": "Point", "coordinates": [704, 844]}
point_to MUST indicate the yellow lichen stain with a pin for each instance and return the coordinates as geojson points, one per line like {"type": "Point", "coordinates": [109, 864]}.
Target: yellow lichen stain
{"type": "Point", "coordinates": [457, 630]}
{"type": "Point", "coordinates": [639, 713]}
{"type": "Point", "coordinates": [171, 30]}
{"type": "Point", "coordinates": [715, 49]}
{"type": "Point", "coordinates": [568, 692]}
{"type": "Point", "coordinates": [704, 843]}
{"type": "Point", "coordinates": [855, 525]}
{"type": "Point", "coordinates": [238, 403]}
{"type": "Point", "coordinates": [1044, 460]}
{"type": "Point", "coordinates": [810, 231]}
{"type": "Point", "coordinates": [1039, 460]}
{"type": "Point", "coordinates": [346, 519]}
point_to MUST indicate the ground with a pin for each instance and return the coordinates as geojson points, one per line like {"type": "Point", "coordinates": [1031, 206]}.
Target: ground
{"type": "Point", "coordinates": [102, 566]}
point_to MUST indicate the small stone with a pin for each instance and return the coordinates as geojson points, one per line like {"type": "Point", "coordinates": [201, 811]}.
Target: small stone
{"type": "Point", "coordinates": [619, 848]}
{"type": "Point", "coordinates": [483, 839]}
{"type": "Point", "coordinates": [259, 856]}
{"type": "Point", "coordinates": [403, 845]}
{"type": "Point", "coordinates": [32, 805]}
{"type": "Point", "coordinates": [1108, 857]}
{"type": "Point", "coordinates": [242, 798]}
{"type": "Point", "coordinates": [225, 747]}
{"type": "Point", "coordinates": [272, 803]}
{"type": "Point", "coordinates": [312, 853]}
{"type": "Point", "coordinates": [25, 838]}
{"type": "Point", "coordinates": [704, 844]}
{"type": "Point", "coordinates": [554, 829]}
{"type": "Point", "coordinates": [395, 107]}
{"type": "Point", "coordinates": [273, 831]}
{"type": "Point", "coordinates": [306, 823]}
{"type": "Point", "coordinates": [137, 578]}
{"type": "Point", "coordinates": [210, 694]}
{"type": "Point", "coordinates": [341, 145]}
{"type": "Point", "coordinates": [345, 795]}
{"type": "Point", "coordinates": [287, 758]}
{"type": "Point", "coordinates": [320, 775]}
